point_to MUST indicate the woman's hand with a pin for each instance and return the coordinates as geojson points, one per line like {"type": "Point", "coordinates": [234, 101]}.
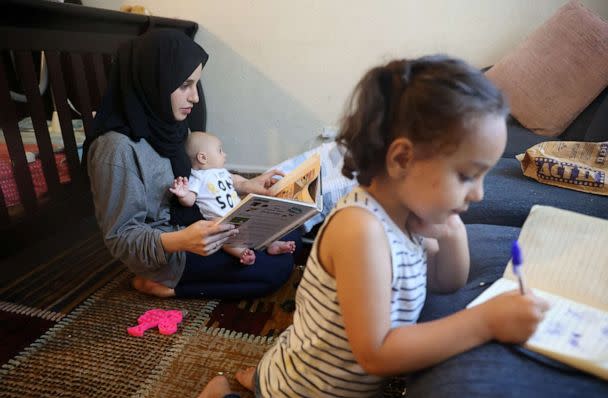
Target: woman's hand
{"type": "Point", "coordinates": [202, 237]}
{"type": "Point", "coordinates": [259, 184]}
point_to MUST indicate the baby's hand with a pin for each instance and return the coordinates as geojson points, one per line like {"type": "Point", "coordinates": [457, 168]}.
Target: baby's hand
{"type": "Point", "coordinates": [513, 317]}
{"type": "Point", "coordinates": [179, 187]}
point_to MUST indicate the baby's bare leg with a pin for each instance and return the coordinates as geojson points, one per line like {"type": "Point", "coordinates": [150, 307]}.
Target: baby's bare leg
{"type": "Point", "coordinates": [245, 378]}
{"type": "Point", "coordinates": [280, 247]}
{"type": "Point", "coordinates": [246, 255]}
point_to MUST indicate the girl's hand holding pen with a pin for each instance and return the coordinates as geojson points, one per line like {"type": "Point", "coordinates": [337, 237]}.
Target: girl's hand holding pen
{"type": "Point", "coordinates": [512, 317]}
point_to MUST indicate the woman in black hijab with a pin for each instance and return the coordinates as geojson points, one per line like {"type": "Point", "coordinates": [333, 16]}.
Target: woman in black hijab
{"type": "Point", "coordinates": [135, 153]}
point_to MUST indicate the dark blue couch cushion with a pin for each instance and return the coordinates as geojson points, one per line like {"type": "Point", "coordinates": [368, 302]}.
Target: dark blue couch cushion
{"type": "Point", "coordinates": [509, 196]}
{"type": "Point", "coordinates": [494, 370]}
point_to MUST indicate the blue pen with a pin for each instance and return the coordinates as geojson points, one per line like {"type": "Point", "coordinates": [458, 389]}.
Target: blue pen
{"type": "Point", "coordinates": [517, 263]}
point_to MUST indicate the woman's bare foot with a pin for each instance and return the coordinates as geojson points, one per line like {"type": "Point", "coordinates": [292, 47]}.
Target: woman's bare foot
{"type": "Point", "coordinates": [280, 247]}
{"type": "Point", "coordinates": [148, 286]}
{"type": "Point", "coordinates": [245, 378]}
{"type": "Point", "coordinates": [218, 387]}
{"type": "Point", "coordinates": [247, 257]}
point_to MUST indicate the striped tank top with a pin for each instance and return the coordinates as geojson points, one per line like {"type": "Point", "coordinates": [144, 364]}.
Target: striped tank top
{"type": "Point", "coordinates": [313, 358]}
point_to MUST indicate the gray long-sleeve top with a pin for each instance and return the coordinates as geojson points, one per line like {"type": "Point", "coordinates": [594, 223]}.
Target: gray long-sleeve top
{"type": "Point", "coordinates": [130, 185]}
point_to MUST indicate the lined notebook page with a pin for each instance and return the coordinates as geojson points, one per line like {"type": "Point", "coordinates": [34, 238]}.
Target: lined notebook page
{"type": "Point", "coordinates": [573, 329]}
{"type": "Point", "coordinates": [565, 253]}
{"type": "Point", "coordinates": [570, 328]}
{"type": "Point", "coordinates": [570, 332]}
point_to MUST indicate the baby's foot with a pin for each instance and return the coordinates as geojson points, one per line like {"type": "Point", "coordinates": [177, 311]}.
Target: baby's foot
{"type": "Point", "coordinates": [280, 247]}
{"type": "Point", "coordinates": [245, 378]}
{"type": "Point", "coordinates": [218, 387]}
{"type": "Point", "coordinates": [247, 257]}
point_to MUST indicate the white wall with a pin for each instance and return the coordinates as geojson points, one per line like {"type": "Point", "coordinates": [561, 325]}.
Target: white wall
{"type": "Point", "coordinates": [281, 70]}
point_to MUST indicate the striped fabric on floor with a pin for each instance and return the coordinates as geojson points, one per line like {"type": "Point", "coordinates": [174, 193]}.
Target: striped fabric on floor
{"type": "Point", "coordinates": [20, 326]}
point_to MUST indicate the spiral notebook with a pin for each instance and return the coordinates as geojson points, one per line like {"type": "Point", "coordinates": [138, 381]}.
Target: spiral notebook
{"type": "Point", "coordinates": [565, 260]}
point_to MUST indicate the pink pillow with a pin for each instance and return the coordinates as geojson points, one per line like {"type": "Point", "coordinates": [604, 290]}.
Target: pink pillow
{"type": "Point", "coordinates": [557, 71]}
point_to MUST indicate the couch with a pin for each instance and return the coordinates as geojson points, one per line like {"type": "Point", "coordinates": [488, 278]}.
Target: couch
{"type": "Point", "coordinates": [509, 195]}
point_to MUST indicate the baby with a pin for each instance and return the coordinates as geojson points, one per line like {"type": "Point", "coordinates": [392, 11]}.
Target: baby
{"type": "Point", "coordinates": [210, 186]}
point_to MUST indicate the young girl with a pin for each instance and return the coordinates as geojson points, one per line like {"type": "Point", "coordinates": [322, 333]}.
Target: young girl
{"type": "Point", "coordinates": [420, 137]}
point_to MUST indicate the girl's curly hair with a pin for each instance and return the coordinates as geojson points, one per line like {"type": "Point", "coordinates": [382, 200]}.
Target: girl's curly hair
{"type": "Point", "coordinates": [429, 100]}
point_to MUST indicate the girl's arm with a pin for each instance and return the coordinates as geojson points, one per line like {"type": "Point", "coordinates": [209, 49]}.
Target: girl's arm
{"type": "Point", "coordinates": [355, 251]}
{"type": "Point", "coordinates": [448, 258]}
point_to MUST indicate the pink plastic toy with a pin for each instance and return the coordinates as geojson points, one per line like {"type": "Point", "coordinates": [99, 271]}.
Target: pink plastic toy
{"type": "Point", "coordinates": [165, 320]}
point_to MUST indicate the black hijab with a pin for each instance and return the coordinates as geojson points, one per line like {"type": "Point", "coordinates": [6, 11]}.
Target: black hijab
{"type": "Point", "coordinates": [137, 102]}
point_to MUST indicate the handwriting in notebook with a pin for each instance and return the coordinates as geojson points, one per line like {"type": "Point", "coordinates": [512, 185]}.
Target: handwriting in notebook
{"type": "Point", "coordinates": [575, 315]}
{"type": "Point", "coordinates": [575, 339]}
{"type": "Point", "coordinates": [555, 328]}
{"type": "Point", "coordinates": [573, 329]}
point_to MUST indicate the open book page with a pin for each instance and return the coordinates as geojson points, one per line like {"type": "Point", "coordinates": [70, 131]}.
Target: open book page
{"type": "Point", "coordinates": [570, 332]}
{"type": "Point", "coordinates": [302, 183]}
{"type": "Point", "coordinates": [565, 253]}
{"type": "Point", "coordinates": [294, 199]}
{"type": "Point", "coordinates": [263, 219]}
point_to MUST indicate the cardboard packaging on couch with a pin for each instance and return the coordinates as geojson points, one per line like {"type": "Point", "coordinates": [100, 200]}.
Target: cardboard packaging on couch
{"type": "Point", "coordinates": [581, 166]}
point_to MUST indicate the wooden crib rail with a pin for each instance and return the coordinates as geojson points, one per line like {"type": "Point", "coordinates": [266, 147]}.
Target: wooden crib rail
{"type": "Point", "coordinates": [75, 45]}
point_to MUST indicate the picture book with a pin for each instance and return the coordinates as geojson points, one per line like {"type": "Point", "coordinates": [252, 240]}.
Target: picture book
{"type": "Point", "coordinates": [293, 200]}
{"type": "Point", "coordinates": [565, 261]}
